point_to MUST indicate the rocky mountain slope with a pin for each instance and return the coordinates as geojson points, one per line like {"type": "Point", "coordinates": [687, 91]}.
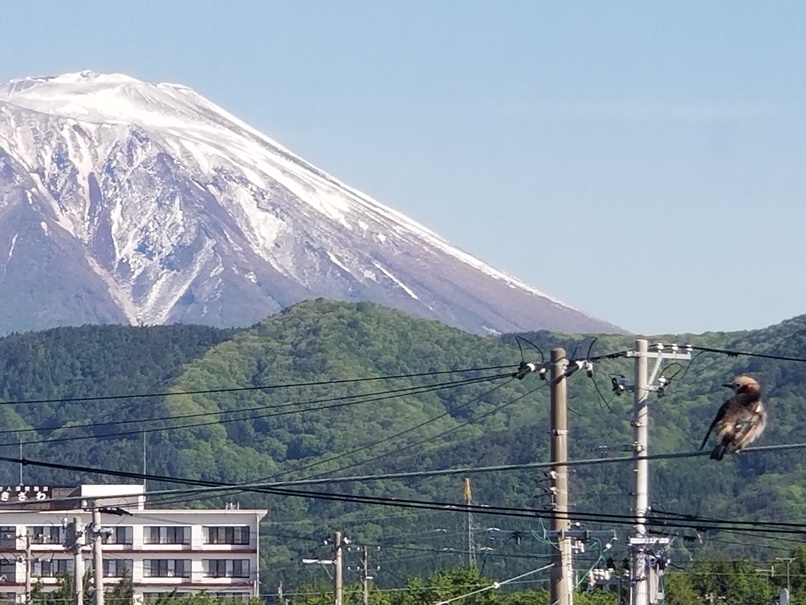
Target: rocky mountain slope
{"type": "Point", "coordinates": [128, 202]}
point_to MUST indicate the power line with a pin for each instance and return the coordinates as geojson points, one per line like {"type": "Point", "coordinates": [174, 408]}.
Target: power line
{"type": "Point", "coordinates": [385, 440]}
{"type": "Point", "coordinates": [432, 437]}
{"type": "Point", "coordinates": [345, 401]}
{"type": "Point", "coordinates": [213, 412]}
{"type": "Point", "coordinates": [288, 385]}
{"type": "Point", "coordinates": [656, 519]}
{"type": "Point", "coordinates": [502, 467]}
{"type": "Point", "coordinates": [733, 353]}
{"type": "Point", "coordinates": [395, 436]}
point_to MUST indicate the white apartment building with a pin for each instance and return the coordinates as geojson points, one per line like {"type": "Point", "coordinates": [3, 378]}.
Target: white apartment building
{"type": "Point", "coordinates": [163, 550]}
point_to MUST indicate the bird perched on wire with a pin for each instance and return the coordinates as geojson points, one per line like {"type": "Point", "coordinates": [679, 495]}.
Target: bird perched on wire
{"type": "Point", "coordinates": [740, 420]}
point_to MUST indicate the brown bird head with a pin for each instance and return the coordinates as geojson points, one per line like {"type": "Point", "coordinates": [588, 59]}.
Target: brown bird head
{"type": "Point", "coordinates": [743, 384]}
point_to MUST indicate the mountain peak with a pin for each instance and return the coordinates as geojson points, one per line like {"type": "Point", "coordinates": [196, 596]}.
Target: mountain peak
{"type": "Point", "coordinates": [84, 77]}
{"type": "Point", "coordinates": [168, 208]}
{"type": "Point", "coordinates": [107, 98]}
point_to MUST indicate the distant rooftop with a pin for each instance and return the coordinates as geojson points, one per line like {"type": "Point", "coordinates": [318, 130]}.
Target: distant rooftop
{"type": "Point", "coordinates": [61, 497]}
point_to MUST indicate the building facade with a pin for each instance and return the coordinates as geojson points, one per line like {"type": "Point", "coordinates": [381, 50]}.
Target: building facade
{"type": "Point", "coordinates": [163, 550]}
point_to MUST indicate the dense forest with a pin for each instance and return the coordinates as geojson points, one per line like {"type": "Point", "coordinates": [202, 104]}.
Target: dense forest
{"type": "Point", "coordinates": [328, 389]}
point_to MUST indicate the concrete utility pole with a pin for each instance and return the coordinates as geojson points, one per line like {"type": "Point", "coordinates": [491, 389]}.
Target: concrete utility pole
{"type": "Point", "coordinates": [365, 577]}
{"type": "Point", "coordinates": [643, 591]}
{"type": "Point", "coordinates": [640, 424]}
{"type": "Point", "coordinates": [788, 561]}
{"type": "Point", "coordinates": [75, 540]}
{"type": "Point", "coordinates": [28, 560]}
{"type": "Point", "coordinates": [98, 555]}
{"type": "Point", "coordinates": [338, 570]}
{"type": "Point", "coordinates": [561, 572]}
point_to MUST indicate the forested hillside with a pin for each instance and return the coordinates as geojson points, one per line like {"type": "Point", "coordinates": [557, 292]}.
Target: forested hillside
{"type": "Point", "coordinates": [358, 390]}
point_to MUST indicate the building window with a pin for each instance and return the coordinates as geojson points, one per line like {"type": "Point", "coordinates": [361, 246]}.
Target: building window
{"type": "Point", "coordinates": [52, 568]}
{"type": "Point", "coordinates": [227, 535]}
{"type": "Point", "coordinates": [120, 534]}
{"type": "Point", "coordinates": [226, 568]}
{"type": "Point", "coordinates": [230, 596]}
{"type": "Point", "coordinates": [46, 534]}
{"type": "Point", "coordinates": [166, 568]}
{"type": "Point", "coordinates": [8, 571]}
{"type": "Point", "coordinates": [8, 537]}
{"type": "Point", "coordinates": [117, 568]}
{"type": "Point", "coordinates": [171, 534]}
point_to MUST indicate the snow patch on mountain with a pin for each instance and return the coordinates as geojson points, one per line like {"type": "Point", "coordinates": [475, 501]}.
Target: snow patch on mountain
{"type": "Point", "coordinates": [178, 205]}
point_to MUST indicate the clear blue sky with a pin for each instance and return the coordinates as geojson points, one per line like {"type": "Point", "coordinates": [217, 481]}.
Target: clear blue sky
{"type": "Point", "coordinates": [642, 161]}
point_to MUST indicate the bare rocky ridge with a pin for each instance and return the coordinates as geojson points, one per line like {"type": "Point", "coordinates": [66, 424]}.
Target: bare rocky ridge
{"type": "Point", "coordinates": [127, 202]}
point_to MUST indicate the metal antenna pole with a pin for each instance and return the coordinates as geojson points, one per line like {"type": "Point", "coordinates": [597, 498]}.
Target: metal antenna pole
{"type": "Point", "coordinates": [471, 546]}
{"type": "Point", "coordinates": [145, 460]}
{"type": "Point", "coordinates": [561, 576]}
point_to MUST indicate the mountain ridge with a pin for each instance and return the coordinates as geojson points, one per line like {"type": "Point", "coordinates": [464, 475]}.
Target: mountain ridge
{"type": "Point", "coordinates": [296, 396]}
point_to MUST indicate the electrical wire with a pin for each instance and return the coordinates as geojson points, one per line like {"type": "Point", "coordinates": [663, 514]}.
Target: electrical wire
{"type": "Point", "coordinates": [391, 437]}
{"type": "Point", "coordinates": [287, 385]}
{"type": "Point", "coordinates": [322, 476]}
{"type": "Point", "coordinates": [495, 585]}
{"type": "Point", "coordinates": [432, 438]}
{"type": "Point", "coordinates": [502, 467]}
{"type": "Point", "coordinates": [667, 520]}
{"type": "Point", "coordinates": [201, 414]}
{"type": "Point", "coordinates": [345, 402]}
{"type": "Point", "coordinates": [732, 353]}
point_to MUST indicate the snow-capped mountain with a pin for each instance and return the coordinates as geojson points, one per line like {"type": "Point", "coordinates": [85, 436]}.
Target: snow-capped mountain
{"type": "Point", "coordinates": [128, 202]}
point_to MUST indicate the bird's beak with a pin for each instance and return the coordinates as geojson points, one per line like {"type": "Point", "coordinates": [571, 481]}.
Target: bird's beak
{"type": "Point", "coordinates": [728, 385]}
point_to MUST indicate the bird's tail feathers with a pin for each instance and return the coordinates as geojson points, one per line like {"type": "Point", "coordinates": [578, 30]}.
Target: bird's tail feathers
{"type": "Point", "coordinates": [708, 434]}
{"type": "Point", "coordinates": [718, 452]}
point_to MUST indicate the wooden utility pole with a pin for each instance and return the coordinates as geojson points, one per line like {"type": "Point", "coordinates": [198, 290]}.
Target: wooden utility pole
{"type": "Point", "coordinates": [561, 593]}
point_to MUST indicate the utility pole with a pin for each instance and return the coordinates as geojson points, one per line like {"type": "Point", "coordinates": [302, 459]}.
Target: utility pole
{"type": "Point", "coordinates": [561, 593]}
{"type": "Point", "coordinates": [338, 568]}
{"type": "Point", "coordinates": [98, 555]}
{"type": "Point", "coordinates": [28, 560]}
{"type": "Point", "coordinates": [75, 540]}
{"type": "Point", "coordinates": [338, 577]}
{"type": "Point", "coordinates": [644, 578]}
{"type": "Point", "coordinates": [365, 577]}
{"type": "Point", "coordinates": [471, 546]}
{"type": "Point", "coordinates": [640, 427]}
{"type": "Point", "coordinates": [788, 561]}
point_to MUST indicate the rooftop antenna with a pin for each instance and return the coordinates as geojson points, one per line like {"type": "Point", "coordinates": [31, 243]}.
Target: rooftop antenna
{"type": "Point", "coordinates": [144, 461]}
{"type": "Point", "coordinates": [471, 550]}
